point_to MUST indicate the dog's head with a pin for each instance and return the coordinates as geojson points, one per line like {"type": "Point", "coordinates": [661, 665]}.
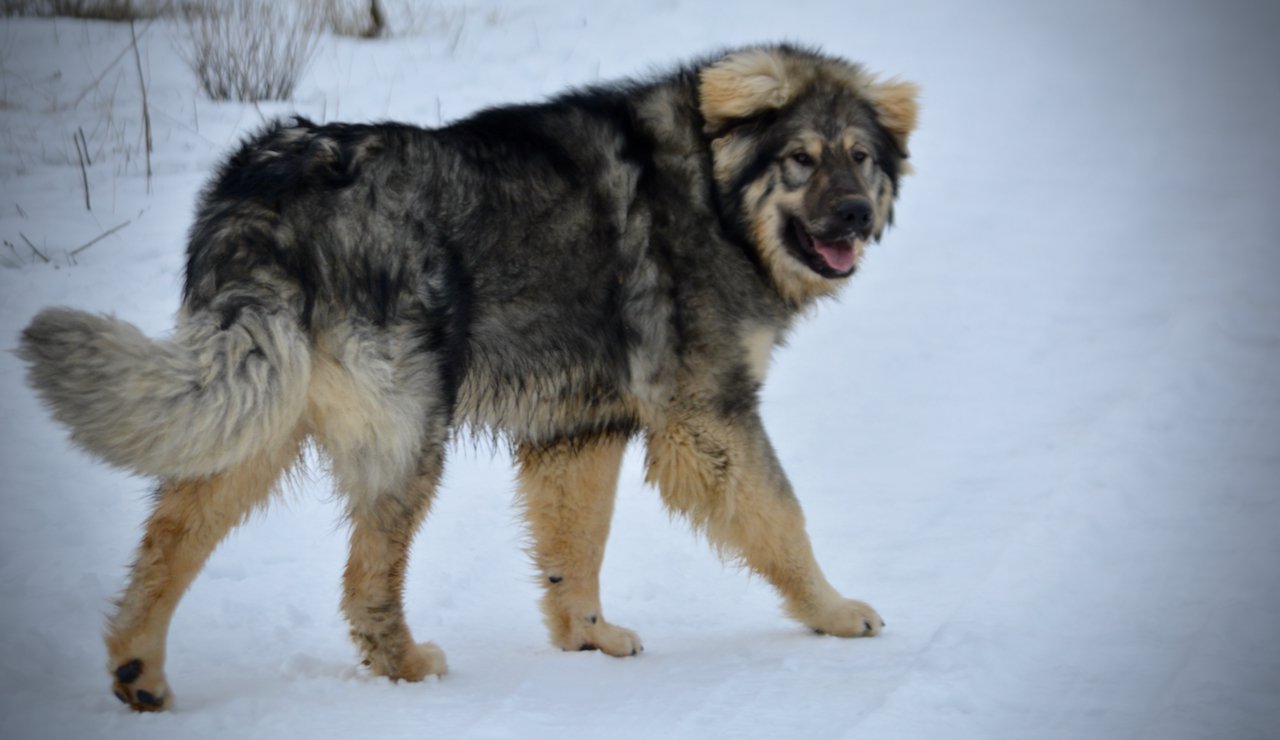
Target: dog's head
{"type": "Point", "coordinates": [807, 152]}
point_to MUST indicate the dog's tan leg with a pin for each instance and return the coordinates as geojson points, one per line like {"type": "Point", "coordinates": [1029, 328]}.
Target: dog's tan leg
{"type": "Point", "coordinates": [725, 477]}
{"type": "Point", "coordinates": [373, 583]}
{"type": "Point", "coordinates": [374, 411]}
{"type": "Point", "coordinates": [190, 518]}
{"type": "Point", "coordinates": [568, 489]}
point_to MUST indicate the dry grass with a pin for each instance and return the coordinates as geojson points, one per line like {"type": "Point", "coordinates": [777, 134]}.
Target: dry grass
{"type": "Point", "coordinates": [251, 50]}
{"type": "Point", "coordinates": [102, 10]}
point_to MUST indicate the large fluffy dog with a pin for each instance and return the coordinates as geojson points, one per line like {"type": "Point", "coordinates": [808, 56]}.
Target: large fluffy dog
{"type": "Point", "coordinates": [618, 261]}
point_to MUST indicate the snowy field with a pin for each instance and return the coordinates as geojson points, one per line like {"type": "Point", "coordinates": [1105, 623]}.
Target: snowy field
{"type": "Point", "coordinates": [1040, 433]}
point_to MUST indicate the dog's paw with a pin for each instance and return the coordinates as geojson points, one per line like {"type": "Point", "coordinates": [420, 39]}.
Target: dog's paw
{"type": "Point", "coordinates": [609, 639]}
{"type": "Point", "coordinates": [421, 660]}
{"type": "Point", "coordinates": [596, 634]}
{"type": "Point", "coordinates": [847, 618]}
{"type": "Point", "coordinates": [412, 662]}
{"type": "Point", "coordinates": [142, 688]}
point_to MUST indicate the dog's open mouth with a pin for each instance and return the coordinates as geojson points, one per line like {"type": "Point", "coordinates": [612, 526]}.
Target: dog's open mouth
{"type": "Point", "coordinates": [834, 258]}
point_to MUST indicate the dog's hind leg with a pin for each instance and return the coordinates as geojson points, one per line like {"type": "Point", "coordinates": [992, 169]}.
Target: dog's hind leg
{"type": "Point", "coordinates": [377, 410]}
{"type": "Point", "coordinates": [373, 583]}
{"type": "Point", "coordinates": [190, 518]}
{"type": "Point", "coordinates": [568, 488]}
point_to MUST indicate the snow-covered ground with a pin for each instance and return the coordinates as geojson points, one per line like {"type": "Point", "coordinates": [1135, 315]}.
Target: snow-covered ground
{"type": "Point", "coordinates": [1041, 432]}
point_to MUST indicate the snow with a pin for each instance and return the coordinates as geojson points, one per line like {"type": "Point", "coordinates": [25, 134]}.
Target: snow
{"type": "Point", "coordinates": [1040, 433]}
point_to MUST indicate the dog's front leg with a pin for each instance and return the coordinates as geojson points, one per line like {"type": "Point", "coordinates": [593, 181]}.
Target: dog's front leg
{"type": "Point", "coordinates": [568, 489]}
{"type": "Point", "coordinates": [721, 472]}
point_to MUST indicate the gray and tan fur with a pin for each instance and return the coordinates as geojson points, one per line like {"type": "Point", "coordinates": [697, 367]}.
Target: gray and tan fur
{"type": "Point", "coordinates": [616, 262]}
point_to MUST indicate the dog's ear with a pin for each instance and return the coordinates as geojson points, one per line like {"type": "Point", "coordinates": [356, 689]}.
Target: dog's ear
{"type": "Point", "coordinates": [896, 108]}
{"type": "Point", "coordinates": [743, 84]}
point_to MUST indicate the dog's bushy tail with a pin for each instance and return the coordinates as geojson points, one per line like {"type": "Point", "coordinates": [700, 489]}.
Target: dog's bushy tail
{"type": "Point", "coordinates": [186, 407]}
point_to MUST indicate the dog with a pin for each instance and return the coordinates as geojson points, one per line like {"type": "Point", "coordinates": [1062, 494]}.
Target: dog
{"type": "Point", "coordinates": [614, 263]}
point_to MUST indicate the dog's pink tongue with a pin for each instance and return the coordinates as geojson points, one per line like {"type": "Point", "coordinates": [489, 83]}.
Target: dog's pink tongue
{"type": "Point", "coordinates": [837, 255]}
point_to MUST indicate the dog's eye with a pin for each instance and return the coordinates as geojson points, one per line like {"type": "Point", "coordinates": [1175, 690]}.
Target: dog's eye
{"type": "Point", "coordinates": [859, 157]}
{"type": "Point", "coordinates": [802, 158]}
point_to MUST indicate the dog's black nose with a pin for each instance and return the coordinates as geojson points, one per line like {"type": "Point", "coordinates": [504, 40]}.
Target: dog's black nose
{"type": "Point", "coordinates": [854, 213]}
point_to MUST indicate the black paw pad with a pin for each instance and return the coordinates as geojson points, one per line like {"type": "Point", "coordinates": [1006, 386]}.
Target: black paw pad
{"type": "Point", "coordinates": [129, 672]}
{"type": "Point", "coordinates": [587, 646]}
{"type": "Point", "coordinates": [121, 696]}
{"type": "Point", "coordinates": [148, 698]}
{"type": "Point", "coordinates": [866, 626]}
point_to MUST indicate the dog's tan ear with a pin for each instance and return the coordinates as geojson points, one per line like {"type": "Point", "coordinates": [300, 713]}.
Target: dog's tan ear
{"type": "Point", "coordinates": [743, 84]}
{"type": "Point", "coordinates": [895, 104]}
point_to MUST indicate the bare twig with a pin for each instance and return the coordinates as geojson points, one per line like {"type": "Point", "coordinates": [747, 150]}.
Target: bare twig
{"type": "Point", "coordinates": [81, 154]}
{"type": "Point", "coordinates": [85, 143]}
{"type": "Point", "coordinates": [457, 37]}
{"type": "Point", "coordinates": [377, 21]}
{"type": "Point", "coordinates": [33, 247]}
{"type": "Point", "coordinates": [20, 211]}
{"type": "Point", "coordinates": [89, 88]}
{"type": "Point", "coordinates": [146, 111]}
{"type": "Point", "coordinates": [98, 238]}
